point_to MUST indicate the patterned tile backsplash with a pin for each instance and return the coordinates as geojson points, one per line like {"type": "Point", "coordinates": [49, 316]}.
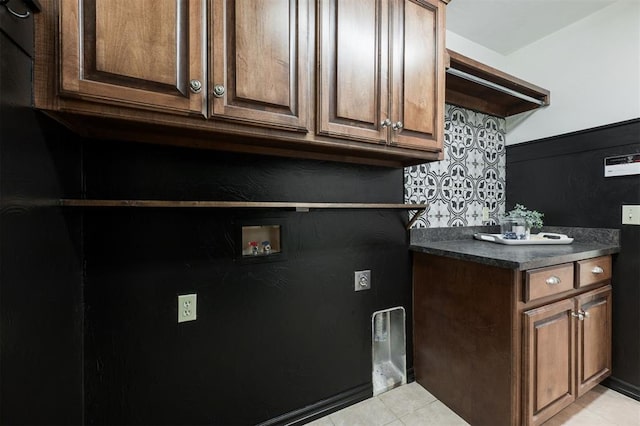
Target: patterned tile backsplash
{"type": "Point", "coordinates": [471, 176]}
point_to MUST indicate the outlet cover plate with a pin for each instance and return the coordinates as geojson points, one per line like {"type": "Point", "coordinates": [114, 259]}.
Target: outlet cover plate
{"type": "Point", "coordinates": [485, 214]}
{"type": "Point", "coordinates": [187, 307]}
{"type": "Point", "coordinates": [631, 215]}
{"type": "Point", "coordinates": [362, 280]}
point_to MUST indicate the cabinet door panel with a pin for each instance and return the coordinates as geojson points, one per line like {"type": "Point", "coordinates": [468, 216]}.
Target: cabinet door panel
{"type": "Point", "coordinates": [549, 361]}
{"type": "Point", "coordinates": [141, 53]}
{"type": "Point", "coordinates": [357, 85]}
{"type": "Point", "coordinates": [260, 56]}
{"type": "Point", "coordinates": [262, 43]}
{"type": "Point", "coordinates": [594, 339]}
{"type": "Point", "coordinates": [353, 83]}
{"type": "Point", "coordinates": [418, 74]}
{"type": "Point", "coordinates": [129, 43]}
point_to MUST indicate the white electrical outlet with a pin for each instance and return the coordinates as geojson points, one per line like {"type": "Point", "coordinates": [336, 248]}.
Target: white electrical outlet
{"type": "Point", "coordinates": [485, 214]}
{"type": "Point", "coordinates": [187, 307]}
{"type": "Point", "coordinates": [631, 215]}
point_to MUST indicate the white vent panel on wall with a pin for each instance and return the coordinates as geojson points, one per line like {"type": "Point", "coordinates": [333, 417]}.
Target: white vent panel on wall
{"type": "Point", "coordinates": [470, 178]}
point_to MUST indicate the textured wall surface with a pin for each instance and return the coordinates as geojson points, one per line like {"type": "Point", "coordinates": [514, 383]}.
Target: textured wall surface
{"type": "Point", "coordinates": [40, 259]}
{"type": "Point", "coordinates": [272, 337]}
{"type": "Point", "coordinates": [471, 176]}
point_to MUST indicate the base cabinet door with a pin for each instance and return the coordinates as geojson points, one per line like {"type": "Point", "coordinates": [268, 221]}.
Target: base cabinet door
{"type": "Point", "coordinates": [594, 338]}
{"type": "Point", "coordinates": [567, 351]}
{"type": "Point", "coordinates": [549, 360]}
{"type": "Point", "coordinates": [147, 54]}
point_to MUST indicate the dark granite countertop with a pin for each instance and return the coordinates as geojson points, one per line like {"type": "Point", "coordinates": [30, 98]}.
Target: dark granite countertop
{"type": "Point", "coordinates": [458, 243]}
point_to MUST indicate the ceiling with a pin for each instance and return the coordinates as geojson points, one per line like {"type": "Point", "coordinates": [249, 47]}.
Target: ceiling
{"type": "Point", "coordinates": [507, 25]}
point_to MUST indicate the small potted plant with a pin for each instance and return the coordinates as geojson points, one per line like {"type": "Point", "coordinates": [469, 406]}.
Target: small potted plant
{"type": "Point", "coordinates": [519, 221]}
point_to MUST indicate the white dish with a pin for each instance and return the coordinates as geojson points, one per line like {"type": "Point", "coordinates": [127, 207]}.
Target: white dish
{"type": "Point", "coordinates": [541, 238]}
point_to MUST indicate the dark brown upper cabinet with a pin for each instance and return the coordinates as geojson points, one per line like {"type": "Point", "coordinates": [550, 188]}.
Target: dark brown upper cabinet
{"type": "Point", "coordinates": [358, 81]}
{"type": "Point", "coordinates": [144, 53]}
{"type": "Point", "coordinates": [382, 72]}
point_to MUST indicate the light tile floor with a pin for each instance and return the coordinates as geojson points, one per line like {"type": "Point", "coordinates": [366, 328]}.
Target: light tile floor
{"type": "Point", "coordinates": [412, 405]}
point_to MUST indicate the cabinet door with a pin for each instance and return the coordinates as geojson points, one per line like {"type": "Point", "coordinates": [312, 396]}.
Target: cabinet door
{"type": "Point", "coordinates": [141, 53]}
{"type": "Point", "coordinates": [418, 74]}
{"type": "Point", "coordinates": [353, 86]}
{"type": "Point", "coordinates": [260, 62]}
{"type": "Point", "coordinates": [594, 338]}
{"type": "Point", "coordinates": [549, 351]}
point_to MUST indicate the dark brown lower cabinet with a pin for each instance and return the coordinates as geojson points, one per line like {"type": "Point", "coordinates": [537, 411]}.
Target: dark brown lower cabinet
{"type": "Point", "coordinates": [593, 360]}
{"type": "Point", "coordinates": [566, 352]}
{"type": "Point", "coordinates": [509, 347]}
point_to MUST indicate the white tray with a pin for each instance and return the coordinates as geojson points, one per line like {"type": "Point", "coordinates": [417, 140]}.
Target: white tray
{"type": "Point", "coordinates": [534, 239]}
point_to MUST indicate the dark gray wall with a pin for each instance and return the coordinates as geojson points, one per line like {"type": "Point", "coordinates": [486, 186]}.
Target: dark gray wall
{"type": "Point", "coordinates": [564, 178]}
{"type": "Point", "coordinates": [40, 259]}
{"type": "Point", "coordinates": [271, 338]}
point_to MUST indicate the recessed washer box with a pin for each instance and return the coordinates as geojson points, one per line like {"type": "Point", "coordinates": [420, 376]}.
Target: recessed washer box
{"type": "Point", "coordinates": [261, 240]}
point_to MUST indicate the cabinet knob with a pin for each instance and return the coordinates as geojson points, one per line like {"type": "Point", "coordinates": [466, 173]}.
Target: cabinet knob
{"type": "Point", "coordinates": [553, 280]}
{"type": "Point", "coordinates": [597, 270]}
{"type": "Point", "coordinates": [386, 123]}
{"type": "Point", "coordinates": [583, 313]}
{"type": "Point", "coordinates": [218, 90]}
{"type": "Point", "coordinates": [579, 315]}
{"type": "Point", "coordinates": [195, 86]}
{"type": "Point", "coordinates": [397, 126]}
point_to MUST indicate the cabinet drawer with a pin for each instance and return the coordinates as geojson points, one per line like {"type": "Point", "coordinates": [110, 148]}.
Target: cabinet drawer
{"type": "Point", "coordinates": [592, 271]}
{"type": "Point", "coordinates": [548, 281]}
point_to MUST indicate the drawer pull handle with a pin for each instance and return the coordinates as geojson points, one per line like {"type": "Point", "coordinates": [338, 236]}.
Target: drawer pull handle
{"type": "Point", "coordinates": [597, 270]}
{"type": "Point", "coordinates": [553, 280]}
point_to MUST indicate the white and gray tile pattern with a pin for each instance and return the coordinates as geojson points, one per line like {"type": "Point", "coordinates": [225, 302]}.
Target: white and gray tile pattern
{"type": "Point", "coordinates": [471, 176]}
